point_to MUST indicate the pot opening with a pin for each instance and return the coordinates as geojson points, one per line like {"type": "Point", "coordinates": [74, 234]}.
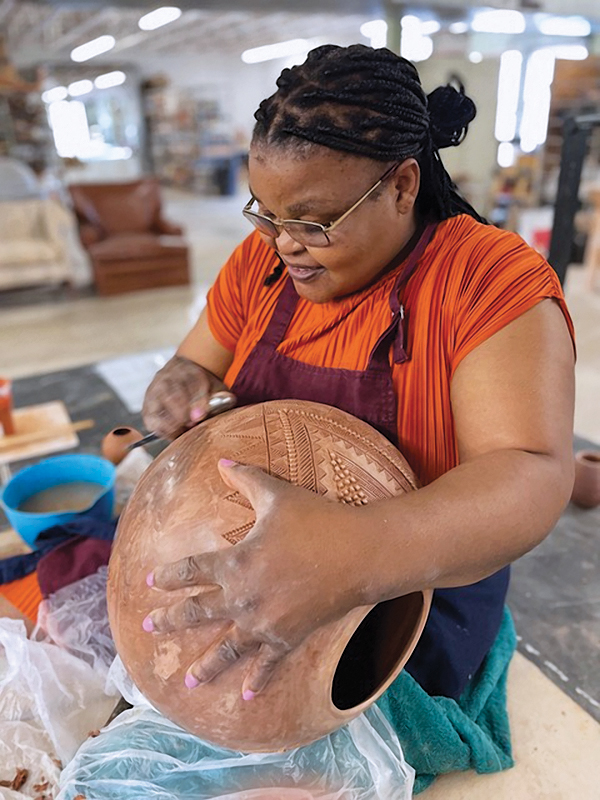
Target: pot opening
{"type": "Point", "coordinates": [593, 458]}
{"type": "Point", "coordinates": [121, 431]}
{"type": "Point", "coordinates": [377, 646]}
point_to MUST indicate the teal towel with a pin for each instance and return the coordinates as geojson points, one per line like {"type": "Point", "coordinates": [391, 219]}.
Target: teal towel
{"type": "Point", "coordinates": [440, 735]}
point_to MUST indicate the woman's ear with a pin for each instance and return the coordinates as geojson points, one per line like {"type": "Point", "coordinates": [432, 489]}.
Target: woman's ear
{"type": "Point", "coordinates": [407, 181]}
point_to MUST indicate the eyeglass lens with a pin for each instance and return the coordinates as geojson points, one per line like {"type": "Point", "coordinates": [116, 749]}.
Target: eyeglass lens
{"type": "Point", "coordinates": [303, 233]}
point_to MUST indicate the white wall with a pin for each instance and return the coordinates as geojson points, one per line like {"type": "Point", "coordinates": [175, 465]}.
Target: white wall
{"type": "Point", "coordinates": [475, 158]}
{"type": "Point", "coordinates": [240, 88]}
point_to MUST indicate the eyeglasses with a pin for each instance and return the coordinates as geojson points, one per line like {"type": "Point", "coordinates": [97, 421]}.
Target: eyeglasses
{"type": "Point", "coordinates": [312, 234]}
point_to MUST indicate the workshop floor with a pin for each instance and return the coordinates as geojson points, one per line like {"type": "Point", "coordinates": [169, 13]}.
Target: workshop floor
{"type": "Point", "coordinates": [556, 741]}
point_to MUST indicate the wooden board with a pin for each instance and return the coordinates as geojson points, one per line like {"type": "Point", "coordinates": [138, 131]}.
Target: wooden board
{"type": "Point", "coordinates": [11, 544]}
{"type": "Point", "coordinates": [40, 418]}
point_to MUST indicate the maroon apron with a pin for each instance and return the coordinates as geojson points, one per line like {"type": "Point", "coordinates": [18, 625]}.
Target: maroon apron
{"type": "Point", "coordinates": [458, 633]}
{"type": "Point", "coordinates": [367, 394]}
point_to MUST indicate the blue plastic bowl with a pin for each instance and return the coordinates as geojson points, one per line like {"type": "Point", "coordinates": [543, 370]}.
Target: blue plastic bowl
{"type": "Point", "coordinates": [55, 472]}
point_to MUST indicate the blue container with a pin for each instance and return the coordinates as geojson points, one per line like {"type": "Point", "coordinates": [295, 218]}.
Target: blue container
{"type": "Point", "coordinates": [56, 472]}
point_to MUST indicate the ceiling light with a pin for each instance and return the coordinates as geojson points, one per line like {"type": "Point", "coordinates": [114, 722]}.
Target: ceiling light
{"type": "Point", "coordinates": [80, 87]}
{"type": "Point", "coordinates": [55, 94]}
{"type": "Point", "coordinates": [568, 52]}
{"type": "Point", "coordinates": [458, 27]}
{"type": "Point", "coordinates": [536, 99]}
{"type": "Point", "coordinates": [94, 48]}
{"type": "Point", "coordinates": [507, 102]}
{"type": "Point", "coordinates": [110, 79]}
{"type": "Point", "coordinates": [268, 52]}
{"type": "Point", "coordinates": [506, 154]}
{"type": "Point", "coordinates": [376, 31]}
{"type": "Point", "coordinates": [498, 21]}
{"type": "Point", "coordinates": [413, 45]}
{"type": "Point", "coordinates": [429, 27]}
{"type": "Point", "coordinates": [70, 130]}
{"type": "Point", "coordinates": [159, 17]}
{"type": "Point", "coordinates": [475, 57]}
{"type": "Point", "coordinates": [562, 26]}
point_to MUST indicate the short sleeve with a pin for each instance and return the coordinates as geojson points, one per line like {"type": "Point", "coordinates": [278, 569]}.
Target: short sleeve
{"type": "Point", "coordinates": [224, 302]}
{"type": "Point", "coordinates": [503, 279]}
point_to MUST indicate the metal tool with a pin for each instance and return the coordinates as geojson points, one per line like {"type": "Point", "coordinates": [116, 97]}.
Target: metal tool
{"type": "Point", "coordinates": [219, 402]}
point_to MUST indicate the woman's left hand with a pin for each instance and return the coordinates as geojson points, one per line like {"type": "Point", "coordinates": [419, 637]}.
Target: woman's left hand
{"type": "Point", "coordinates": [299, 568]}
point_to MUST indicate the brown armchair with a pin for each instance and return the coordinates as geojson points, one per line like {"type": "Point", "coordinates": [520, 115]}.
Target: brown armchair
{"type": "Point", "coordinates": [130, 245]}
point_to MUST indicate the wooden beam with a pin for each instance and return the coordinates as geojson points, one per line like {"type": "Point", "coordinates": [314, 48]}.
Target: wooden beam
{"type": "Point", "coordinates": [149, 38]}
{"type": "Point", "coordinates": [77, 35]}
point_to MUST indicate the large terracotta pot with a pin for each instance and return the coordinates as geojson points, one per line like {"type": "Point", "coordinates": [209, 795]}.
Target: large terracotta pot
{"type": "Point", "coordinates": [181, 506]}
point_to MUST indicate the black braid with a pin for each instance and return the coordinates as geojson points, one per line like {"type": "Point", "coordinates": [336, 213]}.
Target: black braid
{"type": "Point", "coordinates": [371, 103]}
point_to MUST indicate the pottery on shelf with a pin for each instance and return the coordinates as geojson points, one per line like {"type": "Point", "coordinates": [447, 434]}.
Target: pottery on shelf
{"type": "Point", "coordinates": [114, 445]}
{"type": "Point", "coordinates": [181, 507]}
{"type": "Point", "coordinates": [586, 490]}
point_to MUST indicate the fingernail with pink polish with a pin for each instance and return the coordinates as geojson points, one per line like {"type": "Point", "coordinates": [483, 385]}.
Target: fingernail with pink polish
{"type": "Point", "coordinates": [248, 694]}
{"type": "Point", "coordinates": [196, 414]}
{"type": "Point", "coordinates": [191, 681]}
{"type": "Point", "coordinates": [150, 579]}
{"type": "Point", "coordinates": [227, 462]}
{"type": "Point", "coordinates": [148, 625]}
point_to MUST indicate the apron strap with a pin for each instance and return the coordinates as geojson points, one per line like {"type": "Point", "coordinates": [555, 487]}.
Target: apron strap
{"type": "Point", "coordinates": [394, 333]}
{"type": "Point", "coordinates": [282, 315]}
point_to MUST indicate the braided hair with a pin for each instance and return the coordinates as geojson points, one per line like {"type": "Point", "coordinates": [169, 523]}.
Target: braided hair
{"type": "Point", "coordinates": [370, 103]}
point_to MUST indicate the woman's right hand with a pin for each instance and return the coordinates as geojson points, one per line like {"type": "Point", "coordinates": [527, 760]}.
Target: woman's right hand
{"type": "Point", "coordinates": [178, 397]}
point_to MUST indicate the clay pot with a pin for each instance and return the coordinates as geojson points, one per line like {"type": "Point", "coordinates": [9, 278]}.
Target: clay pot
{"type": "Point", "coordinates": [114, 445]}
{"type": "Point", "coordinates": [181, 506]}
{"type": "Point", "coordinates": [586, 491]}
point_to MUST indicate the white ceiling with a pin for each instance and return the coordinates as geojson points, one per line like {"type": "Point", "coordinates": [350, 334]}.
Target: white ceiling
{"type": "Point", "coordinates": [48, 31]}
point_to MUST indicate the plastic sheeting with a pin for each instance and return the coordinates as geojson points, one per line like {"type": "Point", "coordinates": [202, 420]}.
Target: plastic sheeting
{"type": "Point", "coordinates": [143, 755]}
{"type": "Point", "coordinates": [76, 619]}
{"type": "Point", "coordinates": [49, 702]}
{"type": "Point", "coordinates": [52, 697]}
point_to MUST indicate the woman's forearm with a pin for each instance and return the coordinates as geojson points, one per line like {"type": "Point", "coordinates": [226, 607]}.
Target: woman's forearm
{"type": "Point", "coordinates": [464, 526]}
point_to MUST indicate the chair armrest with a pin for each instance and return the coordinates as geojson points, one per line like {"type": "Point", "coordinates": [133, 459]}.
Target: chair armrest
{"type": "Point", "coordinates": [165, 228]}
{"type": "Point", "coordinates": [89, 234]}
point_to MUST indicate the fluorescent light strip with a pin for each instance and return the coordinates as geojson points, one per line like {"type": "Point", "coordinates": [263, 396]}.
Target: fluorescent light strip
{"type": "Point", "coordinates": [509, 81]}
{"type": "Point", "coordinates": [536, 99]}
{"type": "Point", "coordinates": [55, 94]}
{"type": "Point", "coordinates": [506, 154]}
{"type": "Point", "coordinates": [94, 48]}
{"type": "Point", "coordinates": [413, 45]}
{"type": "Point", "coordinates": [562, 26]}
{"type": "Point", "coordinates": [430, 27]}
{"type": "Point", "coordinates": [79, 88]}
{"type": "Point", "coordinates": [498, 21]}
{"type": "Point", "coordinates": [110, 79]}
{"type": "Point", "coordinates": [376, 31]}
{"type": "Point", "coordinates": [159, 17]}
{"type": "Point", "coordinates": [268, 52]}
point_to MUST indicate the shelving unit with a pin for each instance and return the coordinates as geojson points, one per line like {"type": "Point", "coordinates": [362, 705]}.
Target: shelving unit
{"type": "Point", "coordinates": [188, 143]}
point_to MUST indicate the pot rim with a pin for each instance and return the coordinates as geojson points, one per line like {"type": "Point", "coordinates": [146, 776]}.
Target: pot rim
{"type": "Point", "coordinates": [591, 457]}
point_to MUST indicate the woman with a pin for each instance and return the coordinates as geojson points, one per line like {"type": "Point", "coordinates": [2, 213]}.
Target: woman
{"type": "Point", "coordinates": [371, 285]}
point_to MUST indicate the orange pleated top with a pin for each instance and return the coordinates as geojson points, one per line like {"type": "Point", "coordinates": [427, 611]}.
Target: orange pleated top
{"type": "Point", "coordinates": [471, 281]}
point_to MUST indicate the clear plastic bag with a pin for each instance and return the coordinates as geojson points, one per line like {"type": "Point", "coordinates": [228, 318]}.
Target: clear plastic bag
{"type": "Point", "coordinates": [49, 702]}
{"type": "Point", "coordinates": [141, 754]}
{"type": "Point", "coordinates": [76, 619]}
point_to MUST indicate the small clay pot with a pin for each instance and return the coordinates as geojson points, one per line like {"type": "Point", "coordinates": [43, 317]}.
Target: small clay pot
{"type": "Point", "coordinates": [586, 491]}
{"type": "Point", "coordinates": [115, 444]}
